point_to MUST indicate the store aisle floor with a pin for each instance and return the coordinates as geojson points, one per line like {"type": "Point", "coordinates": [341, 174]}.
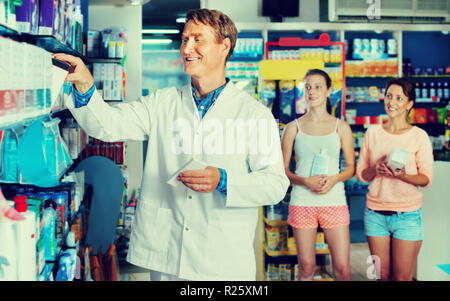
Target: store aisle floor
{"type": "Point", "coordinates": [358, 264]}
{"type": "Point", "coordinates": [358, 261]}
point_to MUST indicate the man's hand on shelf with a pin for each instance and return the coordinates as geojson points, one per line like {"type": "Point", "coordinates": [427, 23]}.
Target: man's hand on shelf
{"type": "Point", "coordinates": [79, 74]}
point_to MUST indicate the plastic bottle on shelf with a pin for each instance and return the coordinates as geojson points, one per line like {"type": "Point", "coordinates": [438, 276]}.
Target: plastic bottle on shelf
{"type": "Point", "coordinates": [432, 90]}
{"type": "Point", "coordinates": [424, 90]}
{"type": "Point", "coordinates": [446, 91]}
{"type": "Point", "coordinates": [25, 232]}
{"type": "Point", "coordinates": [439, 91]}
{"type": "Point", "coordinates": [417, 89]}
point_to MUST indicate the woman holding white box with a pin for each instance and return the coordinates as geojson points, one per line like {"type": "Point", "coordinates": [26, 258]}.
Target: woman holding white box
{"type": "Point", "coordinates": [318, 195]}
{"type": "Point", "coordinates": [396, 158]}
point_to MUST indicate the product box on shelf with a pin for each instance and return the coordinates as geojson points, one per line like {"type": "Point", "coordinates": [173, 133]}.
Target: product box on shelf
{"type": "Point", "coordinates": [48, 16]}
{"type": "Point", "coordinates": [94, 43]}
{"type": "Point", "coordinates": [68, 10]}
{"type": "Point", "coordinates": [23, 16]}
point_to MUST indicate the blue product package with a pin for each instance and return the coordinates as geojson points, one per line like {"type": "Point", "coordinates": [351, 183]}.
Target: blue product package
{"type": "Point", "coordinates": [287, 97]}
{"type": "Point", "coordinates": [60, 201]}
{"type": "Point", "coordinates": [47, 16]}
{"type": "Point", "coordinates": [39, 163]}
{"type": "Point", "coordinates": [10, 157]}
{"type": "Point", "coordinates": [23, 16]}
{"type": "Point", "coordinates": [301, 105]}
{"type": "Point", "coordinates": [49, 144]}
{"type": "Point", "coordinates": [48, 230]}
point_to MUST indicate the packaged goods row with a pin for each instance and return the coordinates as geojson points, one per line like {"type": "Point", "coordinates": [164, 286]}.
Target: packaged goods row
{"type": "Point", "coordinates": [110, 80]}
{"type": "Point", "coordinates": [108, 43]}
{"type": "Point", "coordinates": [331, 55]}
{"type": "Point", "coordinates": [373, 48]}
{"type": "Point", "coordinates": [372, 68]}
{"type": "Point", "coordinates": [34, 154]}
{"type": "Point", "coordinates": [39, 246]}
{"type": "Point", "coordinates": [434, 90]}
{"type": "Point", "coordinates": [62, 19]}
{"type": "Point", "coordinates": [287, 272]}
{"type": "Point", "coordinates": [248, 47]}
{"type": "Point", "coordinates": [410, 70]}
{"type": "Point", "coordinates": [241, 69]}
{"type": "Point", "coordinates": [415, 116]}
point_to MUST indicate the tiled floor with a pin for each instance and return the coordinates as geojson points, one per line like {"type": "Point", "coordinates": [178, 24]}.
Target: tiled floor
{"type": "Point", "coordinates": [129, 272]}
{"type": "Point", "coordinates": [359, 267]}
{"type": "Point", "coordinates": [358, 264]}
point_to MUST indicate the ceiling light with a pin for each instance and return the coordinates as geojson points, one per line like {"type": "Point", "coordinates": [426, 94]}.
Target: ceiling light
{"type": "Point", "coordinates": [161, 31]}
{"type": "Point", "coordinates": [135, 2]}
{"type": "Point", "coordinates": [181, 20]}
{"type": "Point", "coordinates": [156, 41]}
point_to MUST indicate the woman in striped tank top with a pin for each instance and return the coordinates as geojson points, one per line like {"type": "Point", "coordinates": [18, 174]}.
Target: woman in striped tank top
{"type": "Point", "coordinates": [318, 197]}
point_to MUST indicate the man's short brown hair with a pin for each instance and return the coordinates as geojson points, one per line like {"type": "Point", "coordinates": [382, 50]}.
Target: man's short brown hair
{"type": "Point", "coordinates": [222, 24]}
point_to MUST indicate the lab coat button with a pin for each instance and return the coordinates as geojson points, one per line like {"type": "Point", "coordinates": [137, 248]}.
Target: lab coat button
{"type": "Point", "coordinates": [186, 228]}
{"type": "Point", "coordinates": [190, 197]}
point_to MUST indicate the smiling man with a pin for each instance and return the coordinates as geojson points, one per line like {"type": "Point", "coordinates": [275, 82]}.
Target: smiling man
{"type": "Point", "coordinates": [202, 228]}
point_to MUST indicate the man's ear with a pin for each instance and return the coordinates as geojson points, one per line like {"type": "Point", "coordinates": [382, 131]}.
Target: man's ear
{"type": "Point", "coordinates": [226, 44]}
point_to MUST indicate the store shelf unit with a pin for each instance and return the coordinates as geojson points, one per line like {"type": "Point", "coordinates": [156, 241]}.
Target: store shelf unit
{"type": "Point", "coordinates": [110, 77]}
{"type": "Point", "coordinates": [27, 103]}
{"type": "Point", "coordinates": [320, 49]}
{"type": "Point", "coordinates": [278, 255]}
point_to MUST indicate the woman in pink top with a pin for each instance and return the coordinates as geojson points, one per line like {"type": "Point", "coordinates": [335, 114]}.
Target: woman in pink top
{"type": "Point", "coordinates": [393, 217]}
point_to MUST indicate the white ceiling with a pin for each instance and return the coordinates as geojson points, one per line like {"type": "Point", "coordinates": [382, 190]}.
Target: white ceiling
{"type": "Point", "coordinates": [113, 2]}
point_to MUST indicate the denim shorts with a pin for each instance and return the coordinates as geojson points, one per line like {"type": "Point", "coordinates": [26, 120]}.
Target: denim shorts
{"type": "Point", "coordinates": [402, 225]}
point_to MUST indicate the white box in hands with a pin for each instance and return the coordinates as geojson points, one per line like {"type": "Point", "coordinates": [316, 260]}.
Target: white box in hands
{"type": "Point", "coordinates": [192, 164]}
{"type": "Point", "coordinates": [397, 158]}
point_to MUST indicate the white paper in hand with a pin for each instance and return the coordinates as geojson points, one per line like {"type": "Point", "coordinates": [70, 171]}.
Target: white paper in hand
{"type": "Point", "coordinates": [192, 164]}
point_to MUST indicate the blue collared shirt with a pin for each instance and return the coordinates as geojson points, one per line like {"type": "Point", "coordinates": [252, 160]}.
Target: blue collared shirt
{"type": "Point", "coordinates": [82, 99]}
{"type": "Point", "coordinates": [203, 106]}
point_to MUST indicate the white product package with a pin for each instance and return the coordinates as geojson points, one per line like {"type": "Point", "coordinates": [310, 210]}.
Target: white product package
{"type": "Point", "coordinates": [192, 164]}
{"type": "Point", "coordinates": [8, 251]}
{"type": "Point", "coordinates": [397, 158]}
{"type": "Point", "coordinates": [26, 247]}
{"type": "Point", "coordinates": [320, 163]}
{"type": "Point", "coordinates": [59, 73]}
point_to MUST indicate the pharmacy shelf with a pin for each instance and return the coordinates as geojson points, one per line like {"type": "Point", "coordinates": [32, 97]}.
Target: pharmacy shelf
{"type": "Point", "coordinates": [97, 60]}
{"type": "Point", "coordinates": [291, 252]}
{"type": "Point", "coordinates": [5, 30]}
{"type": "Point", "coordinates": [47, 42]}
{"type": "Point", "coordinates": [428, 76]}
{"type": "Point", "coordinates": [275, 223]}
{"type": "Point", "coordinates": [26, 117]}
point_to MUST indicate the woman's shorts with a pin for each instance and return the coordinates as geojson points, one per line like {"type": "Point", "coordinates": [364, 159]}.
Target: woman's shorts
{"type": "Point", "coordinates": [402, 225]}
{"type": "Point", "coordinates": [306, 217]}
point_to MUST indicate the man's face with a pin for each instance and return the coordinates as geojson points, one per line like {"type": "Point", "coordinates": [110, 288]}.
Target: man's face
{"type": "Point", "coordinates": [202, 54]}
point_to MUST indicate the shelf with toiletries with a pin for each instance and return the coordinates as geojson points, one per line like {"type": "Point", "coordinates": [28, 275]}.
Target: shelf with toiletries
{"type": "Point", "coordinates": [278, 253]}
{"type": "Point", "coordinates": [5, 30]}
{"type": "Point", "coordinates": [371, 54]}
{"type": "Point", "coordinates": [47, 42]}
{"type": "Point", "coordinates": [299, 51]}
{"type": "Point", "coordinates": [56, 26]}
{"type": "Point", "coordinates": [106, 56]}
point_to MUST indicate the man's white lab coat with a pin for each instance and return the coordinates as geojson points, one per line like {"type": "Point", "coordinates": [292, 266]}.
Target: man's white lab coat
{"type": "Point", "coordinates": [197, 236]}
